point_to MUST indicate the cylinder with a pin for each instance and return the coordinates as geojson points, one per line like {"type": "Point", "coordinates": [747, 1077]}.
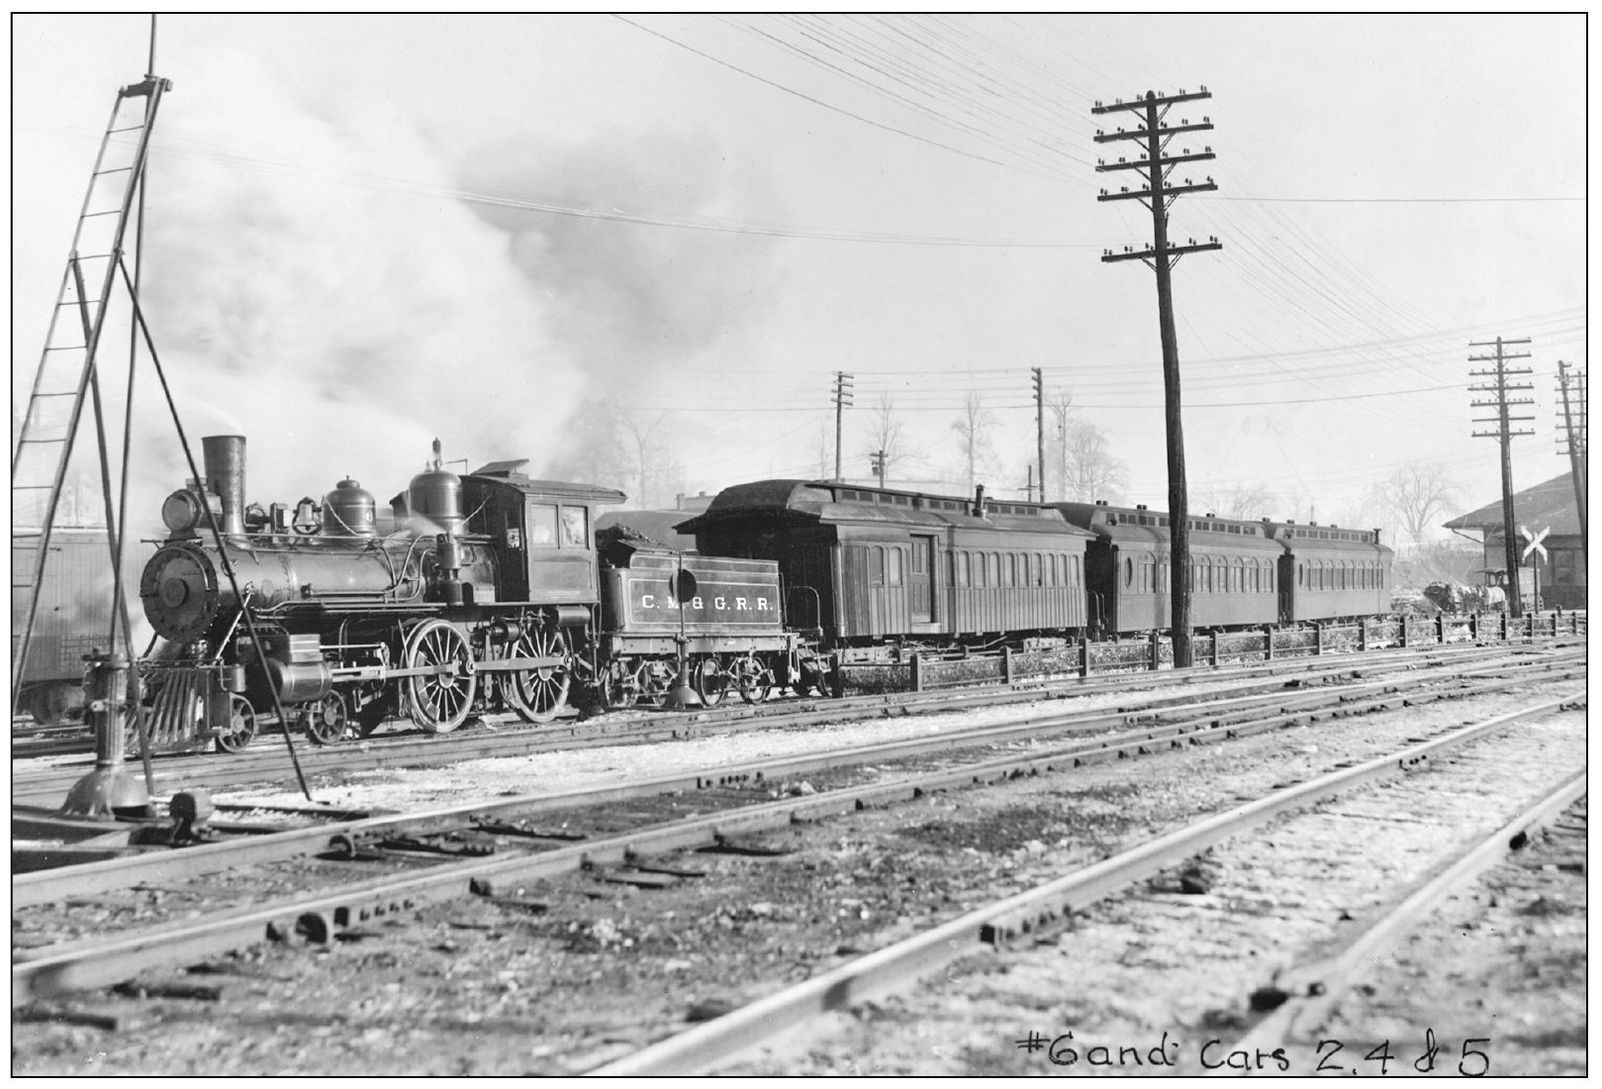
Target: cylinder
{"type": "Point", "coordinates": [224, 457]}
{"type": "Point", "coordinates": [300, 682]}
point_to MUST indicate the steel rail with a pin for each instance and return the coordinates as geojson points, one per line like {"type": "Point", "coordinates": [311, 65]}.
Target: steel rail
{"type": "Point", "coordinates": [50, 885]}
{"type": "Point", "coordinates": [47, 790]}
{"type": "Point", "coordinates": [46, 886]}
{"type": "Point", "coordinates": [1318, 988]}
{"type": "Point", "coordinates": [878, 973]}
{"type": "Point", "coordinates": [47, 786]}
{"type": "Point", "coordinates": [97, 962]}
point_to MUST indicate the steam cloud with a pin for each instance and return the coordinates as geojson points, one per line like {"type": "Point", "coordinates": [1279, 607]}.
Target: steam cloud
{"type": "Point", "coordinates": [339, 324]}
{"type": "Point", "coordinates": [301, 298]}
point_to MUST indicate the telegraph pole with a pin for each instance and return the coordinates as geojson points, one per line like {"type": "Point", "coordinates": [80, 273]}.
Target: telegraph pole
{"type": "Point", "coordinates": [1505, 434]}
{"type": "Point", "coordinates": [842, 398]}
{"type": "Point", "coordinates": [1040, 430]}
{"type": "Point", "coordinates": [1574, 432]}
{"type": "Point", "coordinates": [1161, 256]}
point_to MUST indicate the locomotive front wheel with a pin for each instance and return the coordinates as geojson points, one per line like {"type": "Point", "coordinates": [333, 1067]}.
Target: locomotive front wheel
{"type": "Point", "coordinates": [538, 695]}
{"type": "Point", "coordinates": [710, 681]}
{"type": "Point", "coordinates": [241, 726]}
{"type": "Point", "coordinates": [752, 679]}
{"type": "Point", "coordinates": [440, 702]}
{"type": "Point", "coordinates": [326, 722]}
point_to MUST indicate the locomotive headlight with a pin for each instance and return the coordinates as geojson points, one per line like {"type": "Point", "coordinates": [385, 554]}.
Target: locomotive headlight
{"type": "Point", "coordinates": [182, 512]}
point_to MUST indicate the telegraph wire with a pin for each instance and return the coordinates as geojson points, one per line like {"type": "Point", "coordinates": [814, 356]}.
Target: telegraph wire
{"type": "Point", "coordinates": [826, 105]}
{"type": "Point", "coordinates": [983, 135]}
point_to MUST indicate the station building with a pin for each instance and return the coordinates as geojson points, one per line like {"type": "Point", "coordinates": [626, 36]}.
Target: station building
{"type": "Point", "coordinates": [1549, 505]}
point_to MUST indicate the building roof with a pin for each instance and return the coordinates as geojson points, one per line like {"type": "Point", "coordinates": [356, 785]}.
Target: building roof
{"type": "Point", "coordinates": [1547, 504]}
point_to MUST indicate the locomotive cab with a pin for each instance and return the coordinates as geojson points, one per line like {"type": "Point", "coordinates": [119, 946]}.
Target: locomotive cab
{"type": "Point", "coordinates": [544, 530]}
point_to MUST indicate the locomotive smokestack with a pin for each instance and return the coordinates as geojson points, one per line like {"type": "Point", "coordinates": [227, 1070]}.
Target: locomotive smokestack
{"type": "Point", "coordinates": [979, 500]}
{"type": "Point", "coordinates": [224, 457]}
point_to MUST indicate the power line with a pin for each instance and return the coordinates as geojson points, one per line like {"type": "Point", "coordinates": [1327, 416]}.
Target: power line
{"type": "Point", "coordinates": [820, 102]}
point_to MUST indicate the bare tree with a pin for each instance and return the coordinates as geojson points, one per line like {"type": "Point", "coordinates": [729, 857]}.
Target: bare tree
{"type": "Point", "coordinates": [1060, 404]}
{"type": "Point", "coordinates": [889, 436]}
{"type": "Point", "coordinates": [1417, 495]}
{"type": "Point", "coordinates": [592, 449]}
{"type": "Point", "coordinates": [973, 427]}
{"type": "Point", "coordinates": [644, 449]}
{"type": "Point", "coordinates": [1239, 500]}
{"type": "Point", "coordinates": [1092, 472]}
{"type": "Point", "coordinates": [825, 451]}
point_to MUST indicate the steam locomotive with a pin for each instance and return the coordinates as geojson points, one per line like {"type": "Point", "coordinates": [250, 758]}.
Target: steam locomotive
{"type": "Point", "coordinates": [490, 595]}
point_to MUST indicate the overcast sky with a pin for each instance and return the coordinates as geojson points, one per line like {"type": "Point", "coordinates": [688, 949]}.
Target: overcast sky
{"type": "Point", "coordinates": [363, 232]}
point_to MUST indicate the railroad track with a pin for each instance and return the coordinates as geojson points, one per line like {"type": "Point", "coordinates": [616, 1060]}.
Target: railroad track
{"type": "Point", "coordinates": [323, 912]}
{"type": "Point", "coordinates": [46, 786]}
{"type": "Point", "coordinates": [1042, 914]}
{"type": "Point", "coordinates": [1315, 989]}
{"type": "Point", "coordinates": [27, 743]}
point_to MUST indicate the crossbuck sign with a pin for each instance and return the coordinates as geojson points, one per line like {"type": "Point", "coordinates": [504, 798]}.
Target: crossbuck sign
{"type": "Point", "coordinates": [1535, 540]}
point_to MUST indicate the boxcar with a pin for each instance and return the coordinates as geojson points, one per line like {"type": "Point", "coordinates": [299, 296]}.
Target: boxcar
{"type": "Point", "coordinates": [1233, 569]}
{"type": "Point", "coordinates": [867, 565]}
{"type": "Point", "coordinates": [1327, 572]}
{"type": "Point", "coordinates": [73, 617]}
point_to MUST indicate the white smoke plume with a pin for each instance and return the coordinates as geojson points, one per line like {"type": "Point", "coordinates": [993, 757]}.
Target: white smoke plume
{"type": "Point", "coordinates": [340, 325]}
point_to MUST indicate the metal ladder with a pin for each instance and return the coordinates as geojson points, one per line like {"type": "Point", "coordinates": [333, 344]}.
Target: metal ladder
{"type": "Point", "coordinates": [66, 372]}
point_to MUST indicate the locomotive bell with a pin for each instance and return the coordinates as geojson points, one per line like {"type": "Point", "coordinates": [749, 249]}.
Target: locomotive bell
{"type": "Point", "coordinates": [350, 511]}
{"type": "Point", "coordinates": [436, 494]}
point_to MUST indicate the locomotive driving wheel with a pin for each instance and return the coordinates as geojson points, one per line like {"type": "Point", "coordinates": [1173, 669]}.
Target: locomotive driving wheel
{"type": "Point", "coordinates": [709, 679]}
{"type": "Point", "coordinates": [537, 695]}
{"type": "Point", "coordinates": [439, 701]}
{"type": "Point", "coordinates": [240, 728]}
{"type": "Point", "coordinates": [752, 679]}
{"type": "Point", "coordinates": [327, 721]}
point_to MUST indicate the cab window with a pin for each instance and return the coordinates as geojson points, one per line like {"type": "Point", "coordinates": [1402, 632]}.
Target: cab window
{"type": "Point", "coordinates": [541, 526]}
{"type": "Point", "coordinates": [575, 527]}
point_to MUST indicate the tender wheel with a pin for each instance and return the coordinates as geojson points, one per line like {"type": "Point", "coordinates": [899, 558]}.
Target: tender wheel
{"type": "Point", "coordinates": [327, 721]}
{"type": "Point", "coordinates": [440, 702]}
{"type": "Point", "coordinates": [538, 695]}
{"type": "Point", "coordinates": [621, 688]}
{"type": "Point", "coordinates": [240, 728]}
{"type": "Point", "coordinates": [752, 679]}
{"type": "Point", "coordinates": [657, 679]}
{"type": "Point", "coordinates": [709, 680]}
